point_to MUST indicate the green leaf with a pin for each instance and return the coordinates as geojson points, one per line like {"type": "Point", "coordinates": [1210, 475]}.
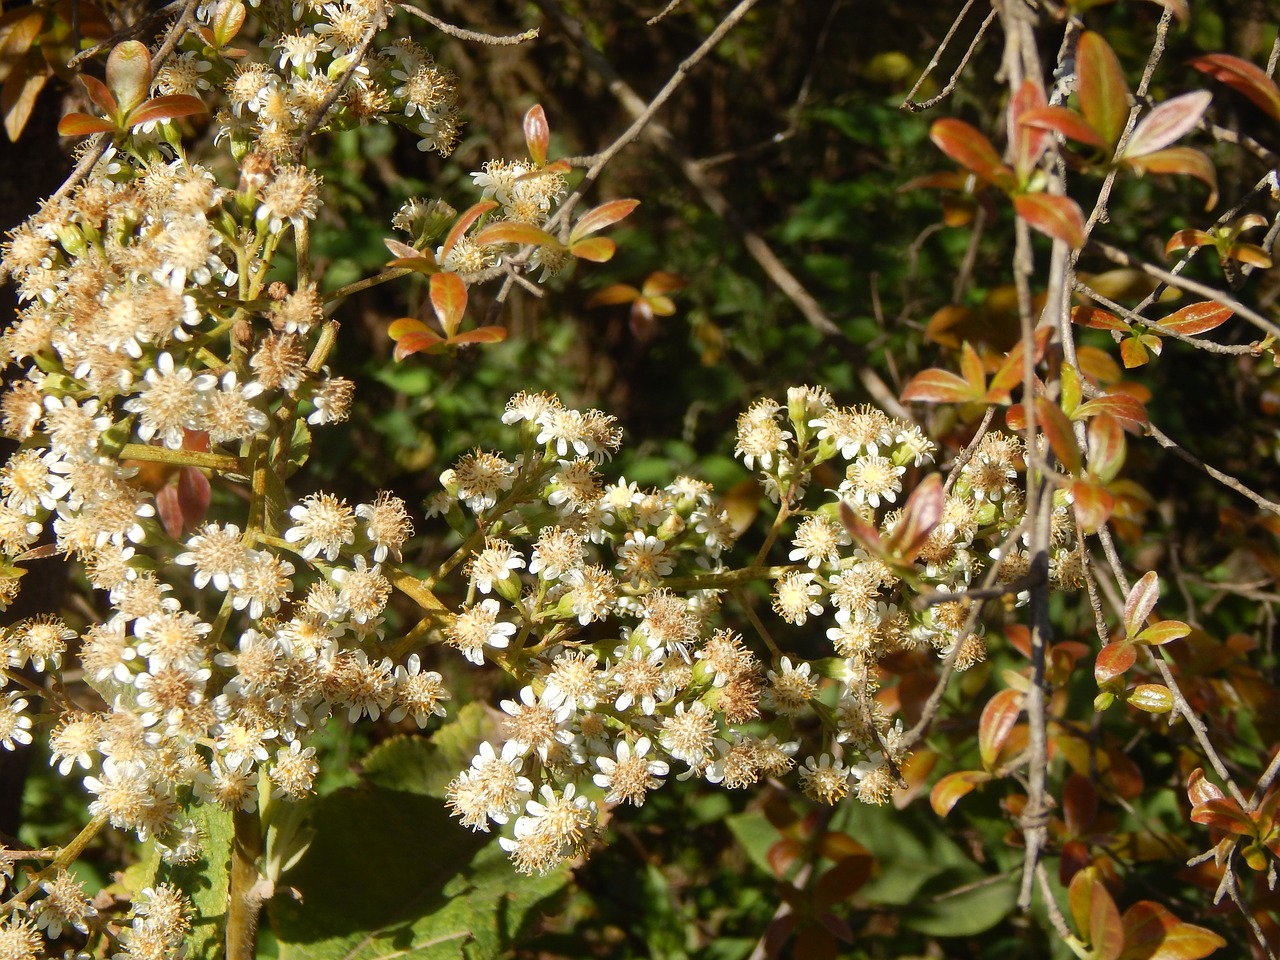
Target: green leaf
{"type": "Point", "coordinates": [1151, 697]}
{"type": "Point", "coordinates": [205, 881]}
{"type": "Point", "coordinates": [129, 74]}
{"type": "Point", "coordinates": [1103, 91]}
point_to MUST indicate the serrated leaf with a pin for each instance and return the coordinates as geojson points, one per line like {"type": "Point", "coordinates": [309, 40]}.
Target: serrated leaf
{"type": "Point", "coordinates": [1066, 122]}
{"type": "Point", "coordinates": [946, 793]}
{"type": "Point", "coordinates": [1114, 660]}
{"type": "Point", "coordinates": [998, 719]}
{"type": "Point", "coordinates": [1167, 122]}
{"type": "Point", "coordinates": [537, 133]}
{"type": "Point", "coordinates": [967, 146]}
{"type": "Point", "coordinates": [595, 249]}
{"type": "Point", "coordinates": [129, 74]}
{"type": "Point", "coordinates": [166, 108]}
{"type": "Point", "coordinates": [1151, 697]}
{"type": "Point", "coordinates": [1243, 77]}
{"type": "Point", "coordinates": [1196, 318]}
{"type": "Point", "coordinates": [1103, 90]}
{"type": "Point", "coordinates": [1062, 439]}
{"type": "Point", "coordinates": [939, 386]}
{"type": "Point", "coordinates": [449, 301]}
{"type": "Point", "coordinates": [511, 231]}
{"type": "Point", "coordinates": [463, 224]}
{"type": "Point", "coordinates": [1184, 160]}
{"type": "Point", "coordinates": [1140, 602]}
{"type": "Point", "coordinates": [1152, 932]}
{"type": "Point", "coordinates": [1056, 217]}
{"type": "Point", "coordinates": [600, 217]}
{"type": "Point", "coordinates": [1165, 631]}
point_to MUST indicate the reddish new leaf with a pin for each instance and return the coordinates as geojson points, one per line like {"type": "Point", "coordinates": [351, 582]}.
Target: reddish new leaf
{"type": "Point", "coordinates": [1106, 447]}
{"type": "Point", "coordinates": [1008, 376]}
{"type": "Point", "coordinates": [1133, 352]}
{"type": "Point", "coordinates": [1151, 932]}
{"type": "Point", "coordinates": [920, 514]}
{"type": "Point", "coordinates": [602, 216]}
{"type": "Point", "coordinates": [660, 282]}
{"type": "Point", "coordinates": [480, 335]}
{"type": "Point", "coordinates": [1079, 804]}
{"type": "Point", "coordinates": [1224, 814]}
{"type": "Point", "coordinates": [865, 534]}
{"type": "Point", "coordinates": [129, 73]}
{"type": "Point", "coordinates": [967, 146]}
{"type": "Point", "coordinates": [1054, 216]}
{"type": "Point", "coordinates": [1096, 915]}
{"type": "Point", "coordinates": [998, 719]}
{"type": "Point", "coordinates": [1066, 122]}
{"type": "Point", "coordinates": [101, 96]}
{"type": "Point", "coordinates": [1243, 77]}
{"type": "Point", "coordinates": [81, 125]}
{"type": "Point", "coordinates": [1062, 439]}
{"type": "Point", "coordinates": [411, 258]}
{"type": "Point", "coordinates": [449, 301]}
{"type": "Point", "coordinates": [940, 386]}
{"type": "Point", "coordinates": [1185, 239]}
{"type": "Point", "coordinates": [613, 295]}
{"type": "Point", "coordinates": [1114, 660]}
{"type": "Point", "coordinates": [166, 108]}
{"type": "Point", "coordinates": [1118, 405]}
{"type": "Point", "coordinates": [1197, 318]}
{"type": "Point", "coordinates": [1093, 503]}
{"type": "Point", "coordinates": [1151, 697]}
{"type": "Point", "coordinates": [511, 231]}
{"type": "Point", "coordinates": [1097, 319]}
{"type": "Point", "coordinates": [946, 793]}
{"type": "Point", "coordinates": [1167, 122]}
{"type": "Point", "coordinates": [537, 133]}
{"type": "Point", "coordinates": [1185, 160]}
{"type": "Point", "coordinates": [1200, 789]}
{"type": "Point", "coordinates": [842, 880]}
{"type": "Point", "coordinates": [595, 249]}
{"type": "Point", "coordinates": [1103, 91]}
{"type": "Point", "coordinates": [1140, 602]}
{"type": "Point", "coordinates": [463, 224]}
{"type": "Point", "coordinates": [1029, 142]}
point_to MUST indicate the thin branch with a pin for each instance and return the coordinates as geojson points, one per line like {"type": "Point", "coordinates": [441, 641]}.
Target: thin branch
{"type": "Point", "coordinates": [910, 104]}
{"type": "Point", "coordinates": [319, 114]}
{"type": "Point", "coordinates": [462, 33]}
{"type": "Point", "coordinates": [1225, 479]}
{"type": "Point", "coordinates": [125, 33]}
{"type": "Point", "coordinates": [658, 18]}
{"type": "Point", "coordinates": [1209, 346]}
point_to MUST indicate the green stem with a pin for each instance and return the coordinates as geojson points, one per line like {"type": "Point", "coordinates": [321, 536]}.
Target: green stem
{"type": "Point", "coordinates": [221, 462]}
{"type": "Point", "coordinates": [345, 291]}
{"type": "Point", "coordinates": [66, 856]}
{"type": "Point", "coordinates": [246, 898]}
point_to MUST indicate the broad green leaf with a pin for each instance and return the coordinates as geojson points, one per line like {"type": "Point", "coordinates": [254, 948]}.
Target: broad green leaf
{"type": "Point", "coordinates": [960, 902]}
{"type": "Point", "coordinates": [205, 881]}
{"type": "Point", "coordinates": [129, 74]}
{"type": "Point", "coordinates": [1069, 379]}
{"type": "Point", "coordinates": [1103, 91]}
{"type": "Point", "coordinates": [1243, 77]}
{"type": "Point", "coordinates": [537, 133]}
{"type": "Point", "coordinates": [1167, 122]}
{"type": "Point", "coordinates": [1056, 217]}
{"type": "Point", "coordinates": [1151, 697]}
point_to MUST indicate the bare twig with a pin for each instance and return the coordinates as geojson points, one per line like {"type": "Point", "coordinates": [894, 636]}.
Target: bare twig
{"type": "Point", "coordinates": [1209, 346]}
{"type": "Point", "coordinates": [462, 33]}
{"type": "Point", "coordinates": [910, 104]}
{"type": "Point", "coordinates": [1225, 479]}
{"type": "Point", "coordinates": [126, 33]}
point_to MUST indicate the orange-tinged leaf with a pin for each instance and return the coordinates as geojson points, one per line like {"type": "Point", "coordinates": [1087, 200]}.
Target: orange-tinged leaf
{"type": "Point", "coordinates": [1165, 631]}
{"type": "Point", "coordinates": [18, 31]}
{"type": "Point", "coordinates": [407, 326]}
{"type": "Point", "coordinates": [1066, 122]}
{"type": "Point", "coordinates": [659, 306]}
{"type": "Point", "coordinates": [595, 249]}
{"type": "Point", "coordinates": [1250, 253]}
{"type": "Point", "coordinates": [18, 99]}
{"type": "Point", "coordinates": [971, 368]}
{"type": "Point", "coordinates": [463, 224]}
{"type": "Point", "coordinates": [1140, 602]}
{"type": "Point", "coordinates": [1151, 697]}
{"type": "Point", "coordinates": [998, 719]}
{"type": "Point", "coordinates": [1224, 814]}
{"type": "Point", "coordinates": [1007, 376]}
{"type": "Point", "coordinates": [412, 343]}
{"type": "Point", "coordinates": [421, 261]}
{"type": "Point", "coordinates": [1114, 659]}
{"type": "Point", "coordinates": [939, 386]}
{"type": "Point", "coordinates": [1098, 365]}
{"type": "Point", "coordinates": [660, 282]}
{"type": "Point", "coordinates": [1106, 931]}
{"type": "Point", "coordinates": [1097, 319]}
{"type": "Point", "coordinates": [511, 231]}
{"type": "Point", "coordinates": [129, 73]}
{"type": "Point", "coordinates": [967, 146]}
{"type": "Point", "coordinates": [782, 856]}
{"type": "Point", "coordinates": [1029, 142]}
{"type": "Point", "coordinates": [166, 108]}
{"type": "Point", "coordinates": [480, 335]}
{"type": "Point", "coordinates": [1243, 77]}
{"type": "Point", "coordinates": [1167, 122]}
{"type": "Point", "coordinates": [946, 793]}
{"type": "Point", "coordinates": [1133, 353]}
{"type": "Point", "coordinates": [1103, 91]}
{"type": "Point", "coordinates": [920, 514]}
{"type": "Point", "coordinates": [1185, 239]}
{"type": "Point", "coordinates": [865, 534]}
{"type": "Point", "coordinates": [99, 94]}
{"type": "Point", "coordinates": [1197, 318]}
{"type": "Point", "coordinates": [944, 180]}
{"type": "Point", "coordinates": [1152, 932]}
{"type": "Point", "coordinates": [537, 133]}
{"type": "Point", "coordinates": [1079, 804]}
{"type": "Point", "coordinates": [227, 20]}
{"type": "Point", "coordinates": [1187, 160]}
{"type": "Point", "coordinates": [1062, 439]}
{"type": "Point", "coordinates": [1056, 217]}
{"type": "Point", "coordinates": [613, 295]}
{"type": "Point", "coordinates": [1200, 789]}
{"type": "Point", "coordinates": [602, 216]}
{"type": "Point", "coordinates": [1106, 447]}
{"type": "Point", "coordinates": [844, 879]}
{"type": "Point", "coordinates": [81, 125]}
{"type": "Point", "coordinates": [449, 301]}
{"type": "Point", "coordinates": [1093, 503]}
